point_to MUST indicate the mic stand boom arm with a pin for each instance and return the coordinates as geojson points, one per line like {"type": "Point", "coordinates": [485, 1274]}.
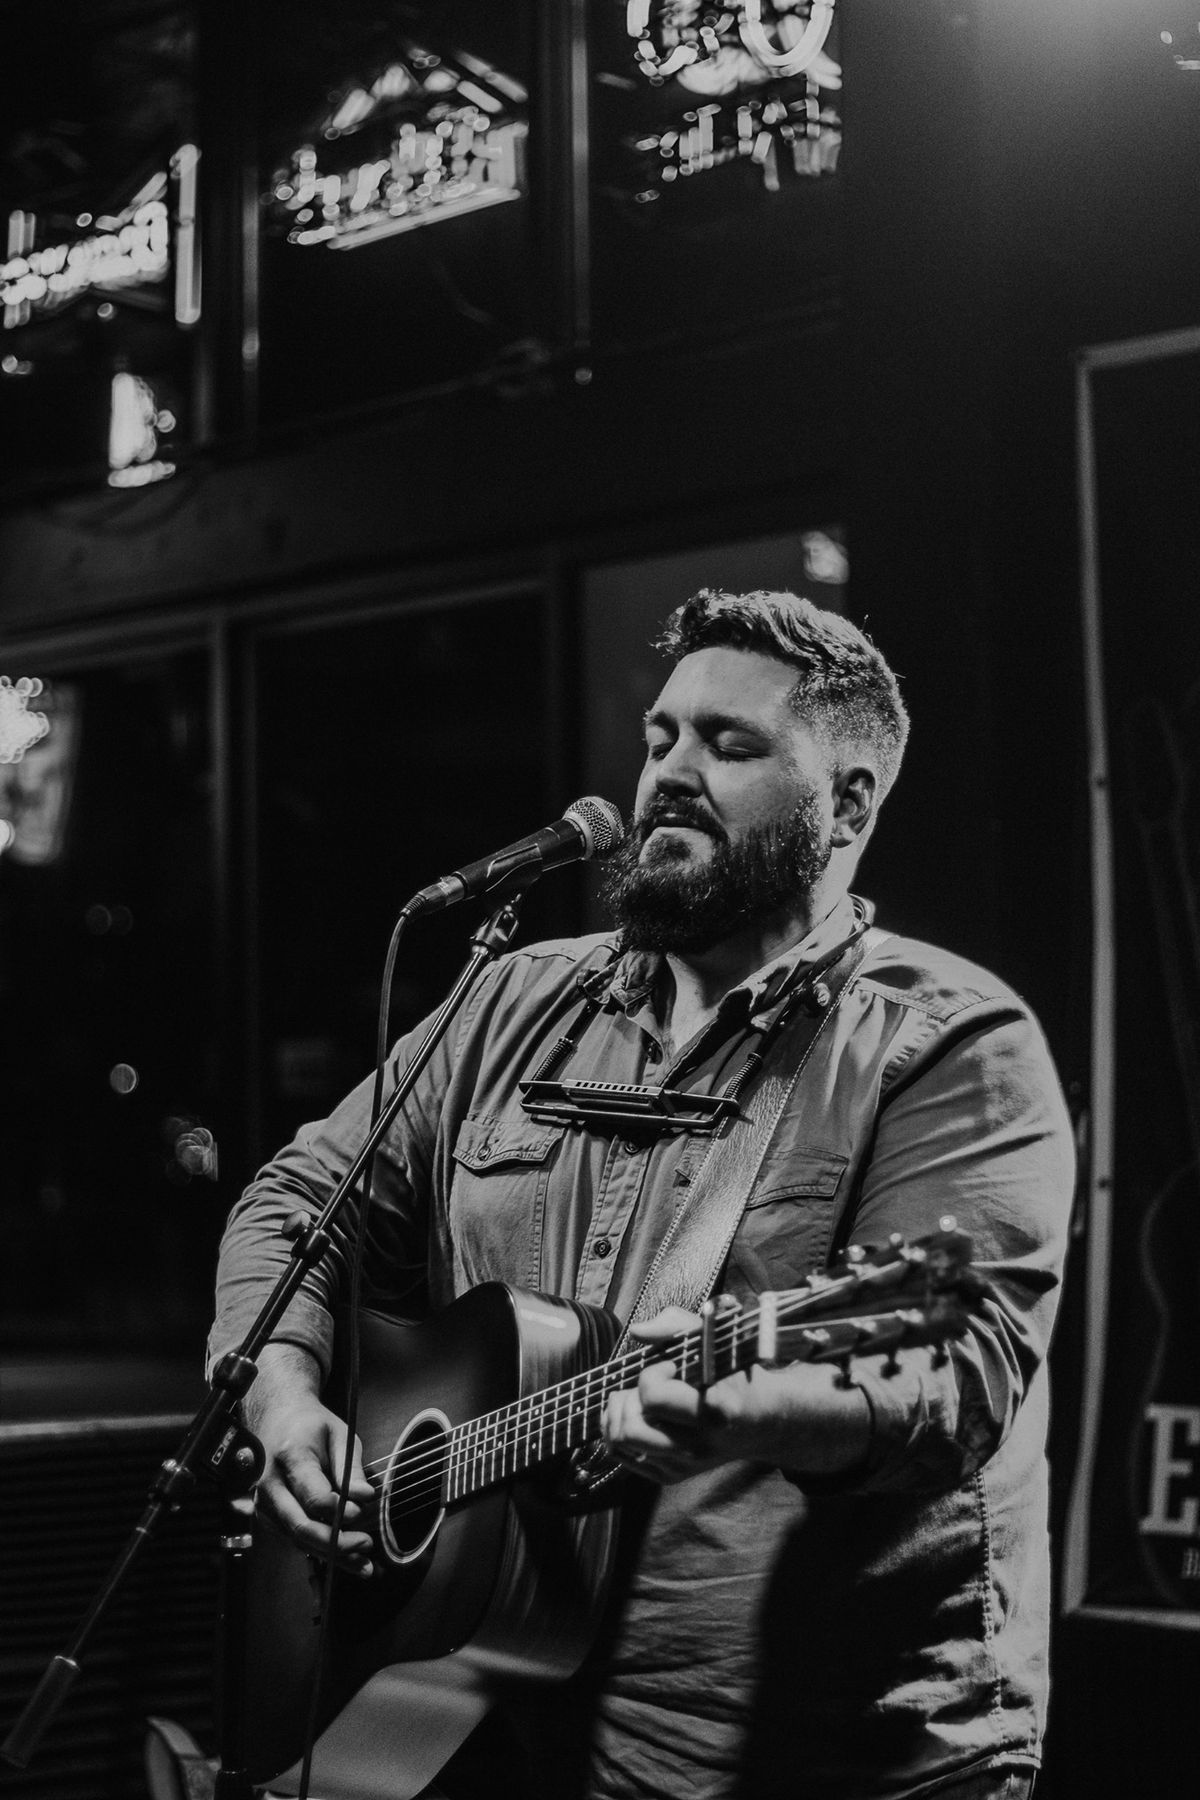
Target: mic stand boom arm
{"type": "Point", "coordinates": [216, 1444]}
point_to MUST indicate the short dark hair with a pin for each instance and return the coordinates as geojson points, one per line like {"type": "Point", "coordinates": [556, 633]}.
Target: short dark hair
{"type": "Point", "coordinates": [845, 687]}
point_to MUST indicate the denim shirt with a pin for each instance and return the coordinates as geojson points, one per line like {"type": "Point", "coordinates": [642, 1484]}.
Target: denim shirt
{"type": "Point", "coordinates": [863, 1636]}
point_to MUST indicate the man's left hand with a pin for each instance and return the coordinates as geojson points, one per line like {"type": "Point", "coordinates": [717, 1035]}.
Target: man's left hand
{"type": "Point", "coordinates": [798, 1417]}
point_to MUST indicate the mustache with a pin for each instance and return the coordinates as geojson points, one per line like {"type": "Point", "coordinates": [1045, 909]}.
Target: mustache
{"type": "Point", "coordinates": [684, 811]}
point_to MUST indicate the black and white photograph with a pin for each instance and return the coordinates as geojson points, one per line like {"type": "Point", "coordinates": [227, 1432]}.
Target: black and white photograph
{"type": "Point", "coordinates": [599, 899]}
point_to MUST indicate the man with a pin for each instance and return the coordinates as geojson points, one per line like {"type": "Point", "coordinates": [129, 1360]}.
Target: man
{"type": "Point", "coordinates": [827, 1587]}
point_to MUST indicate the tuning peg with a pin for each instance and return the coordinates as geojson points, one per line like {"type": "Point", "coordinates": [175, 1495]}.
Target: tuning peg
{"type": "Point", "coordinates": [844, 1366]}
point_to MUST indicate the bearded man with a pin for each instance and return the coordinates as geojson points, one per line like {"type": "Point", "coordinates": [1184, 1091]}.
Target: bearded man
{"type": "Point", "coordinates": [829, 1582]}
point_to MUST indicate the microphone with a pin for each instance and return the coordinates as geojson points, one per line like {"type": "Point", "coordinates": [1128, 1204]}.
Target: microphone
{"type": "Point", "coordinates": [589, 827]}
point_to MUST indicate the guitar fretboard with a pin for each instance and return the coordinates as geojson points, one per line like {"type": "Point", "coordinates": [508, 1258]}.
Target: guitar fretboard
{"type": "Point", "coordinates": [830, 1320]}
{"type": "Point", "coordinates": [515, 1438]}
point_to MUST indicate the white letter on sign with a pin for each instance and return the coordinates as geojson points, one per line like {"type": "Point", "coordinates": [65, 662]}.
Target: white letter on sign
{"type": "Point", "coordinates": [1165, 1468]}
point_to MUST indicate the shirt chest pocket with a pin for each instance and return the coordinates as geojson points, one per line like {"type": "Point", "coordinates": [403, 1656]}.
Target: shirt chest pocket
{"type": "Point", "coordinates": [498, 1198]}
{"type": "Point", "coordinates": [787, 1227]}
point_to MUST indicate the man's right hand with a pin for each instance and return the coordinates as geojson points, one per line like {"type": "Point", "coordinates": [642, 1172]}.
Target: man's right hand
{"type": "Point", "coordinates": [305, 1446]}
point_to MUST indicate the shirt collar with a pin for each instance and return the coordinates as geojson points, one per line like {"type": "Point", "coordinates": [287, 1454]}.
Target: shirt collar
{"type": "Point", "coordinates": [630, 981]}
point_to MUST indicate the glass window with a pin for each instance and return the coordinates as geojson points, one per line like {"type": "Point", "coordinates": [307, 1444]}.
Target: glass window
{"type": "Point", "coordinates": [389, 752]}
{"type": "Point", "coordinates": [715, 137]}
{"type": "Point", "coordinates": [109, 1203]}
{"type": "Point", "coordinates": [99, 272]}
{"type": "Point", "coordinates": [396, 226]}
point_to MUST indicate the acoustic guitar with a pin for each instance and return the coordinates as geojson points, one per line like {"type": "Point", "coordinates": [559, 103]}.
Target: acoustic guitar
{"type": "Point", "coordinates": [480, 1431]}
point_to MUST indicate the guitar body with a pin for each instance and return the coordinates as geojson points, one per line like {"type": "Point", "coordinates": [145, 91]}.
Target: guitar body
{"type": "Point", "coordinates": [509, 1573]}
{"type": "Point", "coordinates": [465, 1421]}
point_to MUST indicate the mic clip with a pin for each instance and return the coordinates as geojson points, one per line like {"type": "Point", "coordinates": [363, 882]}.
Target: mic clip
{"type": "Point", "coordinates": [509, 875]}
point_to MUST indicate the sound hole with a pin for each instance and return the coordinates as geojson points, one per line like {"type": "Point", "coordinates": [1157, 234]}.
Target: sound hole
{"type": "Point", "coordinates": [412, 1503]}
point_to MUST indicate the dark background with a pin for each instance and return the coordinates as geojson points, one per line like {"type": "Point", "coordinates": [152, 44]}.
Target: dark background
{"type": "Point", "coordinates": [359, 633]}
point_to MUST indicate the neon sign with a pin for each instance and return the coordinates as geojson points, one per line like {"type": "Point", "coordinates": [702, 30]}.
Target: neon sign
{"type": "Point", "coordinates": [762, 130]}
{"type": "Point", "coordinates": [19, 728]}
{"type": "Point", "coordinates": [134, 254]}
{"type": "Point", "coordinates": [127, 251]}
{"type": "Point", "coordinates": [462, 163]}
{"type": "Point", "coordinates": [37, 772]}
{"type": "Point", "coordinates": [785, 38]}
{"type": "Point", "coordinates": [135, 421]}
{"type": "Point", "coordinates": [447, 141]}
{"type": "Point", "coordinates": [789, 126]}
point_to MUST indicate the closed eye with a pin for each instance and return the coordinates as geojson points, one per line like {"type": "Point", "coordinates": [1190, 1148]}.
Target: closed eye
{"type": "Point", "coordinates": [730, 740]}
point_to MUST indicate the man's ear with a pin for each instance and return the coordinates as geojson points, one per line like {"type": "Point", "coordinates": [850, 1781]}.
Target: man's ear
{"type": "Point", "coordinates": [853, 804]}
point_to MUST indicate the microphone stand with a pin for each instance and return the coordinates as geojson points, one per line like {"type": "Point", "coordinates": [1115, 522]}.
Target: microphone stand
{"type": "Point", "coordinates": [217, 1445]}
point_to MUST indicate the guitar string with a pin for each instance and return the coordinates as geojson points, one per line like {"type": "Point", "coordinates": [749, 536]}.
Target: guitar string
{"type": "Point", "coordinates": [488, 1462]}
{"type": "Point", "coordinates": [572, 1400]}
{"type": "Point", "coordinates": [496, 1440]}
{"type": "Point", "coordinates": [567, 1402]}
{"type": "Point", "coordinates": [726, 1331]}
{"type": "Point", "coordinates": [558, 1402]}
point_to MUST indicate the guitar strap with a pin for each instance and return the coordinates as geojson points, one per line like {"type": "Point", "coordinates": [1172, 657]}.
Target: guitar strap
{"type": "Point", "coordinates": [693, 1252]}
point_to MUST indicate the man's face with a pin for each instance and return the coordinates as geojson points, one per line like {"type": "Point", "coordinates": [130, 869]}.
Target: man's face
{"type": "Point", "coordinates": [734, 807]}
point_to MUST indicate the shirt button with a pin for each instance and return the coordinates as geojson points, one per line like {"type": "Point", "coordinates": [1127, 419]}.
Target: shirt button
{"type": "Point", "coordinates": [603, 1247]}
{"type": "Point", "coordinates": [630, 1144]}
{"type": "Point", "coordinates": [483, 1152]}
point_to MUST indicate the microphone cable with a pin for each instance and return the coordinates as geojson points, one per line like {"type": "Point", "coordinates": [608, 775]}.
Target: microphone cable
{"type": "Point", "coordinates": [354, 1295]}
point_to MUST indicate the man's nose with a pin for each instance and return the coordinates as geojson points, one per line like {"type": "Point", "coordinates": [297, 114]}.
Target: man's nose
{"type": "Point", "coordinates": [677, 771]}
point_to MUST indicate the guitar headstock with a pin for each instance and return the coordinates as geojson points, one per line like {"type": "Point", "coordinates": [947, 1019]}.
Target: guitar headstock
{"type": "Point", "coordinates": [875, 1301]}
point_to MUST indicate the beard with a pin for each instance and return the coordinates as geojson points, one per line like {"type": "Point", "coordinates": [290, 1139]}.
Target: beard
{"type": "Point", "coordinates": [665, 905]}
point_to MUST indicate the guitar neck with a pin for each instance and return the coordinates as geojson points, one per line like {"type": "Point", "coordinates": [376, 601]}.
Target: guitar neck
{"type": "Point", "coordinates": [905, 1295]}
{"type": "Point", "coordinates": [516, 1438]}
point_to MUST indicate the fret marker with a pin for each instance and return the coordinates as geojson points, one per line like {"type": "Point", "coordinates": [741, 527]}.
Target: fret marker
{"type": "Point", "coordinates": [708, 1359]}
{"type": "Point", "coordinates": [768, 1329]}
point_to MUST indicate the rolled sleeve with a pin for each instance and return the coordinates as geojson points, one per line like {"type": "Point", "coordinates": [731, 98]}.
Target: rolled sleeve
{"type": "Point", "coordinates": [975, 1129]}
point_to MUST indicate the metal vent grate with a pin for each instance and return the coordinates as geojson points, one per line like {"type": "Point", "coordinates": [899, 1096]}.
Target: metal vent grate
{"type": "Point", "coordinates": [69, 1496]}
